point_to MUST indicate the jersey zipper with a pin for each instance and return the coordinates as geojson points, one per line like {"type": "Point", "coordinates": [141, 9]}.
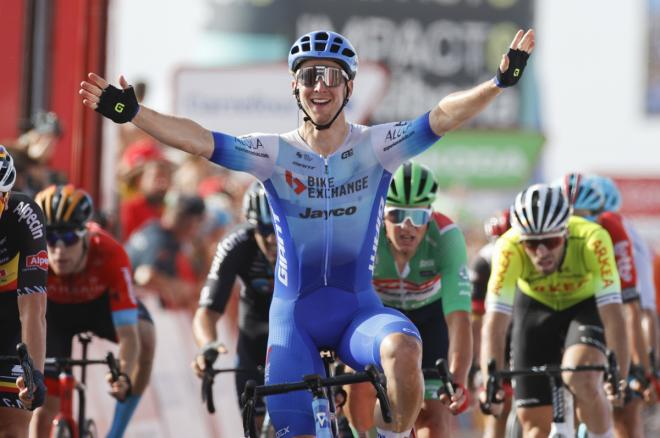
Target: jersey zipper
{"type": "Point", "coordinates": [328, 225]}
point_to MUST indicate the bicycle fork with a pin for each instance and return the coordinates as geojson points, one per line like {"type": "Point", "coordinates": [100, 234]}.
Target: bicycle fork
{"type": "Point", "coordinates": [562, 410]}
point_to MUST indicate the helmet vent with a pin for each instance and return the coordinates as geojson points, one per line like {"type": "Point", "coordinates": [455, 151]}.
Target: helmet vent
{"type": "Point", "coordinates": [322, 36]}
{"type": "Point", "coordinates": [304, 39]}
{"type": "Point", "coordinates": [306, 47]}
{"type": "Point", "coordinates": [319, 46]}
{"type": "Point", "coordinates": [348, 52]}
{"type": "Point", "coordinates": [335, 48]}
{"type": "Point", "coordinates": [295, 49]}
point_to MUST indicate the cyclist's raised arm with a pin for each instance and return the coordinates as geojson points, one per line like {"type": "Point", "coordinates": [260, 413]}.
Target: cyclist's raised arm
{"type": "Point", "coordinates": [457, 108]}
{"type": "Point", "coordinates": [122, 106]}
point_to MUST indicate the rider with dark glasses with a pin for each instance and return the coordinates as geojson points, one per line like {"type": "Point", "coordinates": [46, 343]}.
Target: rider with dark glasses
{"type": "Point", "coordinates": [249, 253]}
{"type": "Point", "coordinates": [90, 289]}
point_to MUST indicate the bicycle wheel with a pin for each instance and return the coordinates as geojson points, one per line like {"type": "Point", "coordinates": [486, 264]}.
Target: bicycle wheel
{"type": "Point", "coordinates": [62, 429]}
{"type": "Point", "coordinates": [90, 430]}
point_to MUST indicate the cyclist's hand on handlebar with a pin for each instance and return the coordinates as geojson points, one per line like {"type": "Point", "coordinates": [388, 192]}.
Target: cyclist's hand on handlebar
{"type": "Point", "coordinates": [459, 401]}
{"type": "Point", "coordinates": [617, 398]}
{"type": "Point", "coordinates": [493, 408]}
{"type": "Point", "coordinates": [39, 395]}
{"type": "Point", "coordinates": [207, 356]}
{"type": "Point", "coordinates": [120, 388]}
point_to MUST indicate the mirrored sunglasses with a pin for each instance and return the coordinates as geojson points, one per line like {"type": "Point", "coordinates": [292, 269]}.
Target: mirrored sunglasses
{"type": "Point", "coordinates": [548, 242]}
{"type": "Point", "coordinates": [68, 237]}
{"type": "Point", "coordinates": [417, 216]}
{"type": "Point", "coordinates": [331, 76]}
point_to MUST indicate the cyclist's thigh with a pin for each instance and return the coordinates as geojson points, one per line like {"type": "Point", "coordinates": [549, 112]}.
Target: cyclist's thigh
{"type": "Point", "coordinates": [14, 422]}
{"type": "Point", "coordinates": [360, 343]}
{"type": "Point", "coordinates": [432, 327]}
{"type": "Point", "coordinates": [251, 353]}
{"type": "Point", "coordinates": [537, 339]}
{"type": "Point", "coordinates": [586, 328]}
{"type": "Point", "coordinates": [291, 354]}
{"type": "Point", "coordinates": [143, 313]}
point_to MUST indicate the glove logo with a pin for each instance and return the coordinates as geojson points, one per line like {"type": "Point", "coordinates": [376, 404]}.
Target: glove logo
{"type": "Point", "coordinates": [516, 73]}
{"type": "Point", "coordinates": [119, 108]}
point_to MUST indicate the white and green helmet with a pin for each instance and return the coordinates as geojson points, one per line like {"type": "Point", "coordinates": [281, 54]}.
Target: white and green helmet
{"type": "Point", "coordinates": [412, 185]}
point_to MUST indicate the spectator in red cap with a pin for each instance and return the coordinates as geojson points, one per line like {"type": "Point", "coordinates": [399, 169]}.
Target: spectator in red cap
{"type": "Point", "coordinates": [144, 167]}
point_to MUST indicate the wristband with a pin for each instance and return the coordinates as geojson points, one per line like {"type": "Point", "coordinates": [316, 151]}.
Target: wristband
{"type": "Point", "coordinates": [119, 105]}
{"type": "Point", "coordinates": [466, 399]}
{"type": "Point", "coordinates": [517, 63]}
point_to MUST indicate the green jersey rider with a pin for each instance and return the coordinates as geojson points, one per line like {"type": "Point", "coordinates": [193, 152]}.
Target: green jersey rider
{"type": "Point", "coordinates": [421, 269]}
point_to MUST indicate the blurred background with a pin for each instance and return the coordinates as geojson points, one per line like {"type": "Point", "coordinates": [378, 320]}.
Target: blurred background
{"type": "Point", "coordinates": [589, 102]}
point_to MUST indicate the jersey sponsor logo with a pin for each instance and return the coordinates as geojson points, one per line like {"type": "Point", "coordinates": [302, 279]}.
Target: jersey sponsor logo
{"type": "Point", "coordinates": [502, 263]}
{"type": "Point", "coordinates": [564, 287]}
{"type": "Point", "coordinates": [304, 166]}
{"type": "Point", "coordinates": [603, 257]}
{"type": "Point", "coordinates": [304, 156]}
{"type": "Point", "coordinates": [38, 260]}
{"type": "Point", "coordinates": [283, 432]}
{"type": "Point", "coordinates": [398, 133]}
{"type": "Point", "coordinates": [624, 262]}
{"type": "Point", "coordinates": [296, 184]}
{"type": "Point", "coordinates": [250, 145]}
{"type": "Point", "coordinates": [282, 264]}
{"type": "Point", "coordinates": [347, 154]}
{"type": "Point", "coordinates": [26, 213]}
{"type": "Point", "coordinates": [322, 420]}
{"type": "Point", "coordinates": [321, 188]}
{"type": "Point", "coordinates": [325, 214]}
{"type": "Point", "coordinates": [426, 263]}
{"type": "Point", "coordinates": [379, 221]}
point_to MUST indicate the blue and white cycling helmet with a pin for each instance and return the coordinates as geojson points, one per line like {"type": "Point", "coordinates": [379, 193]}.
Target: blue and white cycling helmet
{"type": "Point", "coordinates": [324, 44]}
{"type": "Point", "coordinates": [611, 192]}
{"type": "Point", "coordinates": [540, 209]}
{"type": "Point", "coordinates": [583, 191]}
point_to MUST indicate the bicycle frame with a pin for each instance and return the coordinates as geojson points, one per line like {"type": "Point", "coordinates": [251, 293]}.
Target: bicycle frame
{"type": "Point", "coordinates": [68, 384]}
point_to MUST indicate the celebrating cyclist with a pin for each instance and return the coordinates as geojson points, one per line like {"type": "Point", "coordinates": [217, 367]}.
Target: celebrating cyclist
{"type": "Point", "coordinates": [421, 269]}
{"type": "Point", "coordinates": [556, 276]}
{"type": "Point", "coordinates": [90, 289]}
{"type": "Point", "coordinates": [249, 253]}
{"type": "Point", "coordinates": [23, 272]}
{"type": "Point", "coordinates": [326, 183]}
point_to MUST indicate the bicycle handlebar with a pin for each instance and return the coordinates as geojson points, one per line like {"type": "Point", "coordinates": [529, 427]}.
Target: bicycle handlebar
{"type": "Point", "coordinates": [208, 378]}
{"type": "Point", "coordinates": [313, 382]}
{"type": "Point", "coordinates": [63, 363]}
{"type": "Point", "coordinates": [493, 385]}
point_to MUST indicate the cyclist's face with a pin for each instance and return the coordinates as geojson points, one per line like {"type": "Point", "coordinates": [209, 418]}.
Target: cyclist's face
{"type": "Point", "coordinates": [545, 254]}
{"type": "Point", "coordinates": [267, 244]}
{"type": "Point", "coordinates": [320, 101]}
{"type": "Point", "coordinates": [404, 237]}
{"type": "Point", "coordinates": [63, 259]}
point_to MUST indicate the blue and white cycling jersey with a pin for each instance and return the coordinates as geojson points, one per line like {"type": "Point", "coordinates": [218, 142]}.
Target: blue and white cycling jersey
{"type": "Point", "coordinates": [326, 210]}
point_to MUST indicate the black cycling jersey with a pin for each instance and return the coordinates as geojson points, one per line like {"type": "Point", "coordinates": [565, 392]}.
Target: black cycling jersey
{"type": "Point", "coordinates": [23, 263]}
{"type": "Point", "coordinates": [238, 255]}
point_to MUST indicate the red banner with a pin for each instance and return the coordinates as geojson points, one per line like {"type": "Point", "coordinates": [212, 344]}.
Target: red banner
{"type": "Point", "coordinates": [641, 196]}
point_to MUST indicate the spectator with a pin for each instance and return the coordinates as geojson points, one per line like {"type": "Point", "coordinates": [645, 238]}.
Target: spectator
{"type": "Point", "coordinates": [33, 151]}
{"type": "Point", "coordinates": [159, 252]}
{"type": "Point", "coordinates": [145, 169]}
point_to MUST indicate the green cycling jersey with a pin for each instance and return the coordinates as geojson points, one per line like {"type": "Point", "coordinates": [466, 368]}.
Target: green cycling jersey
{"type": "Point", "coordinates": [438, 270]}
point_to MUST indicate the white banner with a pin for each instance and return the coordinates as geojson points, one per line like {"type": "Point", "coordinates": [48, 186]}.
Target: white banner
{"type": "Point", "coordinates": [241, 100]}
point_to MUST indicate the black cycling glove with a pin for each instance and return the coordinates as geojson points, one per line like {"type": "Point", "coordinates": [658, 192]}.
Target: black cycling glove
{"type": "Point", "coordinates": [517, 63]}
{"type": "Point", "coordinates": [210, 352]}
{"type": "Point", "coordinates": [39, 394]}
{"type": "Point", "coordinates": [118, 105]}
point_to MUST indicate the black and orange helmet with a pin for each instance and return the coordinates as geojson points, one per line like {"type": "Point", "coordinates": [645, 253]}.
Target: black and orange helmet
{"type": "Point", "coordinates": [65, 206]}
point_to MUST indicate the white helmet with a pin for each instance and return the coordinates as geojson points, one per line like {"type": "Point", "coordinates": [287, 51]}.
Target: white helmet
{"type": "Point", "coordinates": [540, 209]}
{"type": "Point", "coordinates": [7, 171]}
